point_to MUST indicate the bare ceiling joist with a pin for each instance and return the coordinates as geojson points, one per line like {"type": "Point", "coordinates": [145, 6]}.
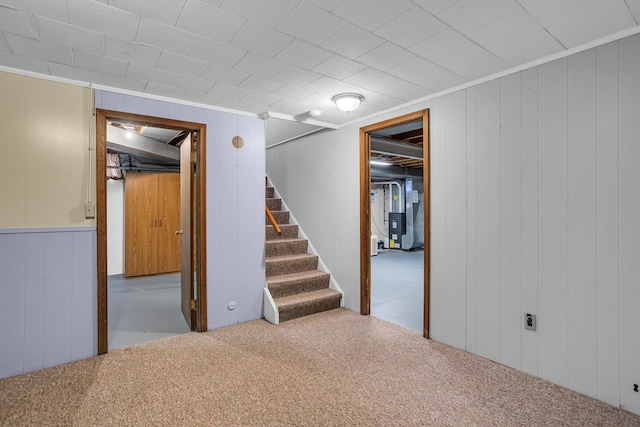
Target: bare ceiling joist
{"type": "Point", "coordinates": [390, 148]}
{"type": "Point", "coordinates": [129, 142]}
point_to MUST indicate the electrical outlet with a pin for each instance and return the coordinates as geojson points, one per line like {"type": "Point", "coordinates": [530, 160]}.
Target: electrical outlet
{"type": "Point", "coordinates": [89, 210]}
{"type": "Point", "coordinates": [530, 321]}
{"type": "Point", "coordinates": [635, 388]}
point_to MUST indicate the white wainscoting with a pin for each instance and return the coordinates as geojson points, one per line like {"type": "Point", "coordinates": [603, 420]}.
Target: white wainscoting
{"type": "Point", "coordinates": [48, 299]}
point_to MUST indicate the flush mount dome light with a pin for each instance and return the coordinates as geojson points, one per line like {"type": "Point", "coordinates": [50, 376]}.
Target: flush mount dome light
{"type": "Point", "coordinates": [347, 102]}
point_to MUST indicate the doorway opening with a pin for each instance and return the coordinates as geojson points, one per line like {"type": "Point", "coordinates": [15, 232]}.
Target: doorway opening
{"type": "Point", "coordinates": [171, 231]}
{"type": "Point", "coordinates": [394, 201]}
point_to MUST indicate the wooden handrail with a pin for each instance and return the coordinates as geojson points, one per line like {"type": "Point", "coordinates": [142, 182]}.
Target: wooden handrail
{"type": "Point", "coordinates": [273, 220]}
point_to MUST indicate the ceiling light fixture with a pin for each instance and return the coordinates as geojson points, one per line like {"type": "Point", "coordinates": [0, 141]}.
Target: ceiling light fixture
{"type": "Point", "coordinates": [347, 102]}
{"type": "Point", "coordinates": [379, 163]}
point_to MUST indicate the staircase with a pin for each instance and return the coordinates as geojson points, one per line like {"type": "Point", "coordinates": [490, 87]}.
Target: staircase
{"type": "Point", "coordinates": [295, 287]}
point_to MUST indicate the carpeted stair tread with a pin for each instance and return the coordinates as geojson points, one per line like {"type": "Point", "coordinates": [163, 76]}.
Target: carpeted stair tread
{"type": "Point", "coordinates": [269, 192]}
{"type": "Point", "coordinates": [282, 247]}
{"type": "Point", "coordinates": [290, 284]}
{"type": "Point", "coordinates": [304, 304]}
{"type": "Point", "coordinates": [289, 231]}
{"type": "Point", "coordinates": [277, 266]}
{"type": "Point", "coordinates": [274, 204]}
{"type": "Point", "coordinates": [281, 217]}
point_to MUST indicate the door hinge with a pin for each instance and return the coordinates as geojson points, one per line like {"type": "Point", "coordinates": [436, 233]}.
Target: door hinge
{"type": "Point", "coordinates": [193, 157]}
{"type": "Point", "coordinates": [193, 304]}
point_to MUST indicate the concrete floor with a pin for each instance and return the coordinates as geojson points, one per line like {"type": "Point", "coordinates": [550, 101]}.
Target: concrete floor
{"type": "Point", "coordinates": [397, 287]}
{"type": "Point", "coordinates": [144, 309]}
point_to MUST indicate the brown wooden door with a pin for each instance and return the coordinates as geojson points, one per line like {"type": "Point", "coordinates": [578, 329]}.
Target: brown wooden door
{"type": "Point", "coordinates": [169, 222]}
{"type": "Point", "coordinates": [186, 241]}
{"type": "Point", "coordinates": [152, 215]}
{"type": "Point", "coordinates": [141, 237]}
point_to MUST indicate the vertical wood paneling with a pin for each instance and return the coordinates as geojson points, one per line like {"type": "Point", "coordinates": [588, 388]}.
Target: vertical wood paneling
{"type": "Point", "coordinates": [529, 362]}
{"type": "Point", "coordinates": [166, 109]}
{"type": "Point", "coordinates": [151, 107]}
{"type": "Point", "coordinates": [552, 132]}
{"type": "Point", "coordinates": [57, 296]}
{"type": "Point", "coordinates": [12, 303]}
{"type": "Point", "coordinates": [259, 154]}
{"type": "Point", "coordinates": [113, 101]}
{"type": "Point", "coordinates": [472, 214]}
{"type": "Point", "coordinates": [228, 228]}
{"type": "Point", "coordinates": [582, 363]}
{"type": "Point", "coordinates": [34, 294]}
{"type": "Point", "coordinates": [84, 338]}
{"type": "Point", "coordinates": [488, 222]}
{"type": "Point", "coordinates": [629, 214]}
{"type": "Point", "coordinates": [134, 104]}
{"type": "Point", "coordinates": [456, 219]}
{"type": "Point", "coordinates": [511, 220]}
{"type": "Point", "coordinates": [608, 369]}
{"type": "Point", "coordinates": [438, 221]}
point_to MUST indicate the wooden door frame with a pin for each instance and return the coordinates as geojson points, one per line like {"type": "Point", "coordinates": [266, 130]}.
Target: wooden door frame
{"type": "Point", "coordinates": [101, 212]}
{"type": "Point", "coordinates": [365, 209]}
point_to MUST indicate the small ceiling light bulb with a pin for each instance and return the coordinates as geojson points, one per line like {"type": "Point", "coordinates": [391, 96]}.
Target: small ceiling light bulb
{"type": "Point", "coordinates": [347, 102]}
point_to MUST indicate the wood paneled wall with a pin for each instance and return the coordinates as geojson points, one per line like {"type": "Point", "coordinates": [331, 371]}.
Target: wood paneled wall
{"type": "Point", "coordinates": [534, 208]}
{"type": "Point", "coordinates": [47, 298]}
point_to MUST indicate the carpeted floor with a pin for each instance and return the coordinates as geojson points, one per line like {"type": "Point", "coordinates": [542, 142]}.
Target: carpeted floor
{"type": "Point", "coordinates": [332, 368]}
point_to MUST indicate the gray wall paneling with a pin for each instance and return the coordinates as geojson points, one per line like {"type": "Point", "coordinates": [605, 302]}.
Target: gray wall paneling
{"type": "Point", "coordinates": [472, 226]}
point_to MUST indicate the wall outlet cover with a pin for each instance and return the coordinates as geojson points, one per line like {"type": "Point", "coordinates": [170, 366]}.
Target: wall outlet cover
{"type": "Point", "coordinates": [530, 321]}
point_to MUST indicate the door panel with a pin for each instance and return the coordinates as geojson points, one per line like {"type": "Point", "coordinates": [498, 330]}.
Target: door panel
{"type": "Point", "coordinates": [141, 237]}
{"type": "Point", "coordinates": [169, 205]}
{"type": "Point", "coordinates": [186, 183]}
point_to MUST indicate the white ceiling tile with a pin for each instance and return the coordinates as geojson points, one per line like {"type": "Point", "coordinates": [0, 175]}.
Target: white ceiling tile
{"type": "Point", "coordinates": [260, 39]}
{"type": "Point", "coordinates": [260, 84]}
{"type": "Point", "coordinates": [233, 104]}
{"type": "Point", "coordinates": [386, 56]}
{"type": "Point", "coordinates": [326, 4]}
{"type": "Point", "coordinates": [311, 23]}
{"type": "Point", "coordinates": [260, 65]}
{"type": "Point", "coordinates": [371, 14]}
{"type": "Point", "coordinates": [74, 73]}
{"type": "Point", "coordinates": [473, 62]}
{"type": "Point", "coordinates": [155, 75]}
{"type": "Point", "coordinates": [123, 82]}
{"type": "Point", "coordinates": [634, 7]}
{"type": "Point", "coordinates": [516, 39]}
{"type": "Point", "coordinates": [294, 92]}
{"type": "Point", "coordinates": [43, 50]}
{"type": "Point", "coordinates": [216, 52]}
{"type": "Point", "coordinates": [131, 52]}
{"type": "Point", "coordinates": [165, 11]}
{"type": "Point", "coordinates": [102, 64]}
{"type": "Point", "coordinates": [191, 83]}
{"type": "Point", "coordinates": [201, 98]}
{"type": "Point", "coordinates": [538, 8]}
{"type": "Point", "coordinates": [339, 67]}
{"type": "Point", "coordinates": [54, 9]}
{"type": "Point", "coordinates": [435, 6]}
{"type": "Point", "coordinates": [102, 18]}
{"type": "Point", "coordinates": [260, 98]}
{"type": "Point", "coordinates": [468, 15]}
{"type": "Point", "coordinates": [166, 91]}
{"type": "Point", "coordinates": [411, 27]}
{"type": "Point", "coordinates": [209, 21]}
{"type": "Point", "coordinates": [427, 75]}
{"type": "Point", "coordinates": [587, 20]}
{"type": "Point", "coordinates": [296, 76]}
{"type": "Point", "coordinates": [228, 92]}
{"type": "Point", "coordinates": [166, 37]}
{"type": "Point", "coordinates": [12, 60]}
{"type": "Point", "coordinates": [216, 3]}
{"type": "Point", "coordinates": [414, 94]}
{"type": "Point", "coordinates": [290, 106]}
{"type": "Point", "coordinates": [18, 22]}
{"type": "Point", "coordinates": [4, 44]}
{"type": "Point", "coordinates": [441, 45]}
{"type": "Point", "coordinates": [303, 54]}
{"type": "Point", "coordinates": [352, 42]}
{"type": "Point", "coordinates": [68, 35]}
{"type": "Point", "coordinates": [380, 82]}
{"type": "Point", "coordinates": [326, 85]}
{"type": "Point", "coordinates": [267, 12]}
{"type": "Point", "coordinates": [181, 64]}
{"type": "Point", "coordinates": [217, 73]}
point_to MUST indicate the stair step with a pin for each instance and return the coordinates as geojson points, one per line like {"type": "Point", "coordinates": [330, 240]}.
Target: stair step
{"type": "Point", "coordinates": [289, 231]}
{"type": "Point", "coordinates": [299, 305]}
{"type": "Point", "coordinates": [281, 217]}
{"type": "Point", "coordinates": [269, 192]}
{"type": "Point", "coordinates": [290, 264]}
{"type": "Point", "coordinates": [282, 247]}
{"type": "Point", "coordinates": [296, 283]}
{"type": "Point", "coordinates": [274, 204]}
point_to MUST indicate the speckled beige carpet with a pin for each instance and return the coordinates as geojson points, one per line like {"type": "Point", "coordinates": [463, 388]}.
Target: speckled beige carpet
{"type": "Point", "coordinates": [332, 368]}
